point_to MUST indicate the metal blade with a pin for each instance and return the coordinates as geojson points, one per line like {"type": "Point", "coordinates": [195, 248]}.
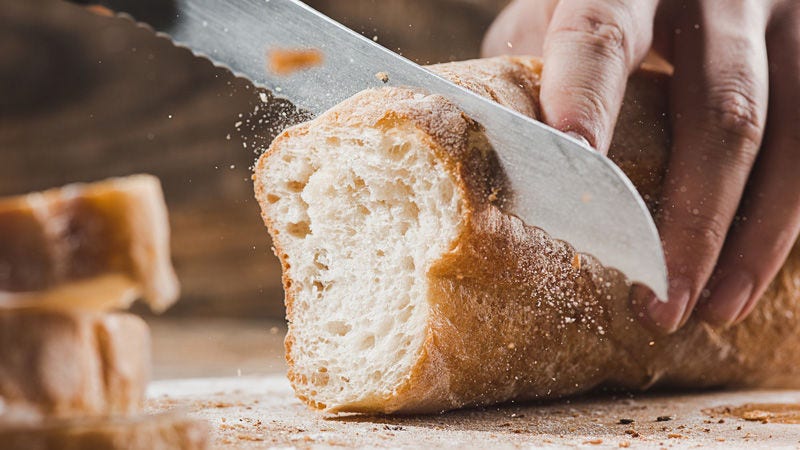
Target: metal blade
{"type": "Point", "coordinates": [570, 191]}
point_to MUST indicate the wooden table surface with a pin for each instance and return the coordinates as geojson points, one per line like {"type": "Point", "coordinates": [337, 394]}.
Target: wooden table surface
{"type": "Point", "coordinates": [231, 373]}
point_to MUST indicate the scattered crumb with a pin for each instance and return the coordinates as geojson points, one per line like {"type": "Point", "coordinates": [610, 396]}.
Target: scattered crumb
{"type": "Point", "coordinates": [247, 437]}
{"type": "Point", "coordinates": [382, 76]}
{"type": "Point", "coordinates": [493, 195]}
{"type": "Point", "coordinates": [576, 261]}
{"type": "Point", "coordinates": [625, 421]}
{"type": "Point", "coordinates": [632, 433]}
{"type": "Point", "coordinates": [675, 436]}
{"type": "Point", "coordinates": [287, 61]}
{"type": "Point", "coordinates": [593, 442]}
{"type": "Point", "coordinates": [663, 418]}
{"type": "Point", "coordinates": [624, 444]}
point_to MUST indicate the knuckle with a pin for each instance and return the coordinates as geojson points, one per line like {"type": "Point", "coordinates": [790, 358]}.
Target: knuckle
{"type": "Point", "coordinates": [605, 32]}
{"type": "Point", "coordinates": [735, 114]}
{"type": "Point", "coordinates": [704, 230]}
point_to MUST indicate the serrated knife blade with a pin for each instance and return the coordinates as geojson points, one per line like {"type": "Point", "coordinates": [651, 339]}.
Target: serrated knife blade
{"type": "Point", "coordinates": [559, 185]}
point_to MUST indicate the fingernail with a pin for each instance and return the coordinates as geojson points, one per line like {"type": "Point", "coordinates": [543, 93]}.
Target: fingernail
{"type": "Point", "coordinates": [728, 298]}
{"type": "Point", "coordinates": [669, 315]}
{"type": "Point", "coordinates": [579, 138]}
{"type": "Point", "coordinates": [641, 296]}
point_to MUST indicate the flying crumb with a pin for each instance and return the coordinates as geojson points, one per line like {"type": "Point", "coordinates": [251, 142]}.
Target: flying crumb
{"type": "Point", "coordinates": [100, 10]}
{"type": "Point", "coordinates": [576, 261]}
{"type": "Point", "coordinates": [287, 61]}
{"type": "Point", "coordinates": [383, 76]}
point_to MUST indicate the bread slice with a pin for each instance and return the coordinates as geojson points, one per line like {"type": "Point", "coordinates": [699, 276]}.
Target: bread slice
{"type": "Point", "coordinates": [69, 364]}
{"type": "Point", "coordinates": [96, 246]}
{"type": "Point", "coordinates": [409, 289]}
{"type": "Point", "coordinates": [137, 432]}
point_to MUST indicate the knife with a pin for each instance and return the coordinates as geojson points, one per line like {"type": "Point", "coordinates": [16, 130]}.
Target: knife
{"type": "Point", "coordinates": [572, 192]}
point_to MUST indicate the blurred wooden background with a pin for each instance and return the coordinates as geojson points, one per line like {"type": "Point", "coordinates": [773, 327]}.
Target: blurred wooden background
{"type": "Point", "coordinates": [85, 97]}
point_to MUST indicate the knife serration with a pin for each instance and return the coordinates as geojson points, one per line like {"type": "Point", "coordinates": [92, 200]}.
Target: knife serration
{"type": "Point", "coordinates": [573, 193]}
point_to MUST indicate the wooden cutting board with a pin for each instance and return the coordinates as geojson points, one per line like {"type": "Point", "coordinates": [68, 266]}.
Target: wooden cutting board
{"type": "Point", "coordinates": [261, 412]}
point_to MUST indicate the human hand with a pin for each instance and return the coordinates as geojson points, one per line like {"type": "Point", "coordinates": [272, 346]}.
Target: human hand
{"type": "Point", "coordinates": [731, 198]}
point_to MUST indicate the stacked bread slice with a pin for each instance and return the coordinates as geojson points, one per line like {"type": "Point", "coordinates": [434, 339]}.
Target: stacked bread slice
{"type": "Point", "coordinates": [73, 369]}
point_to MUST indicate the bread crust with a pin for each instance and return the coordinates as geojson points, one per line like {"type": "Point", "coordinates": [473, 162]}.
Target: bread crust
{"type": "Point", "coordinates": [69, 236]}
{"type": "Point", "coordinates": [59, 364]}
{"type": "Point", "coordinates": [516, 315]}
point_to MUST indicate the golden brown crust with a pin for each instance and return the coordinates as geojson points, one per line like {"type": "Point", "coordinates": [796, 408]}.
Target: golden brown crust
{"type": "Point", "coordinates": [516, 314]}
{"type": "Point", "coordinates": [146, 432]}
{"type": "Point", "coordinates": [60, 364]}
{"type": "Point", "coordinates": [81, 232]}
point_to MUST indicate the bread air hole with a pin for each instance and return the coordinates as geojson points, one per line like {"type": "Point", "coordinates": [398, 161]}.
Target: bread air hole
{"type": "Point", "coordinates": [338, 328]}
{"type": "Point", "coordinates": [382, 207]}
{"type": "Point", "coordinates": [299, 230]}
{"type": "Point", "coordinates": [367, 342]}
{"type": "Point", "coordinates": [295, 186]}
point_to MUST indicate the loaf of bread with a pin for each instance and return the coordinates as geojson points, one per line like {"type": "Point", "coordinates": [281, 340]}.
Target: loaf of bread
{"type": "Point", "coordinates": [71, 364]}
{"type": "Point", "coordinates": [91, 246]}
{"type": "Point", "coordinates": [409, 289]}
{"type": "Point", "coordinates": [137, 432]}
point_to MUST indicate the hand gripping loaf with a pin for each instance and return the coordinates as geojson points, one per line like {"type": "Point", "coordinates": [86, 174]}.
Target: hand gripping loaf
{"type": "Point", "coordinates": [408, 289]}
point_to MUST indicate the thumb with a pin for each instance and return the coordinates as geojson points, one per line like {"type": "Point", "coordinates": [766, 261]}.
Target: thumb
{"type": "Point", "coordinates": [589, 50]}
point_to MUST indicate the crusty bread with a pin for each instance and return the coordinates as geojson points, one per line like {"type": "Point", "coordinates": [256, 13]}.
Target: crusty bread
{"type": "Point", "coordinates": [408, 289]}
{"type": "Point", "coordinates": [70, 364]}
{"type": "Point", "coordinates": [137, 432]}
{"type": "Point", "coordinates": [92, 246]}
